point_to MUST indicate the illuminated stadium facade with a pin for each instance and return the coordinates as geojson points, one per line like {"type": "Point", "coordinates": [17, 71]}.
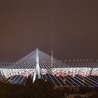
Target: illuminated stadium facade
{"type": "Point", "coordinates": [39, 65]}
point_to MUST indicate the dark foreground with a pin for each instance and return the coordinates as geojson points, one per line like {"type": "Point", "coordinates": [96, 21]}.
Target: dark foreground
{"type": "Point", "coordinates": [42, 89]}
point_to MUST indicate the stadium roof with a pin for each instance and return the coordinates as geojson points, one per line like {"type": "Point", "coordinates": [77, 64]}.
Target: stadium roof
{"type": "Point", "coordinates": [40, 65]}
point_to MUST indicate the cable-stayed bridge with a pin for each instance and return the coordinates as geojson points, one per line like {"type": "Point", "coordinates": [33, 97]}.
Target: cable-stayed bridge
{"type": "Point", "coordinates": [39, 65]}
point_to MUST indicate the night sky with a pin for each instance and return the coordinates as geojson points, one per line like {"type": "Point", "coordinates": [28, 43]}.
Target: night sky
{"type": "Point", "coordinates": [69, 27]}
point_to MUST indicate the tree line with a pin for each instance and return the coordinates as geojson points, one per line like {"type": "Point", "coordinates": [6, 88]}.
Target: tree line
{"type": "Point", "coordinates": [39, 89]}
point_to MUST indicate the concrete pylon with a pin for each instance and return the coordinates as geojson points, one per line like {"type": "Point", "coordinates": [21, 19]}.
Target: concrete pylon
{"type": "Point", "coordinates": [37, 64]}
{"type": "Point", "coordinates": [37, 67]}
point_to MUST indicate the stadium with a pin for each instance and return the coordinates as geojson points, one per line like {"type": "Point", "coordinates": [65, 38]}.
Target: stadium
{"type": "Point", "coordinates": [39, 65]}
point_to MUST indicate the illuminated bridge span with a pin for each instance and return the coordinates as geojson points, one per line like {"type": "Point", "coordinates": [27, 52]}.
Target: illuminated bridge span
{"type": "Point", "coordinates": [39, 65]}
